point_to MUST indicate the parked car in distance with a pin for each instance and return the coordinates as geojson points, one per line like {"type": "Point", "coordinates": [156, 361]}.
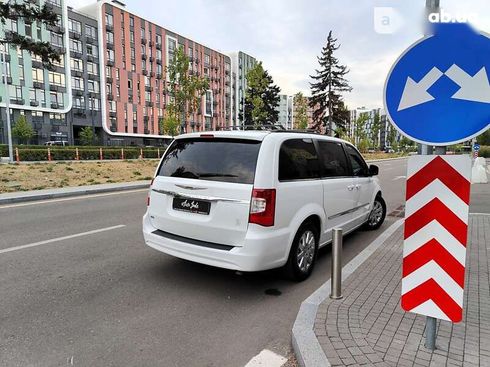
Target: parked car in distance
{"type": "Point", "coordinates": [257, 200]}
{"type": "Point", "coordinates": [57, 143]}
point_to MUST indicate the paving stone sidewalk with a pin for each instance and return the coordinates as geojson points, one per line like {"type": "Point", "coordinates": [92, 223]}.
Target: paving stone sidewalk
{"type": "Point", "coordinates": [368, 326]}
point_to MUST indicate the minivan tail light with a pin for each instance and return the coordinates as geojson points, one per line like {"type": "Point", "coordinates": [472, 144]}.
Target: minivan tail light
{"type": "Point", "coordinates": [263, 207]}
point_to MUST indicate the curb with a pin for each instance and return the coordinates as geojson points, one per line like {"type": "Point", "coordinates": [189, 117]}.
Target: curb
{"type": "Point", "coordinates": [70, 192]}
{"type": "Point", "coordinates": [387, 159]}
{"type": "Point", "coordinates": [306, 346]}
{"type": "Point", "coordinates": [80, 161]}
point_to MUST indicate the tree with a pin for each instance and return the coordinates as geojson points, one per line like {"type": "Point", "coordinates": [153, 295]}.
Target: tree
{"type": "Point", "coordinates": [169, 124]}
{"type": "Point", "coordinates": [12, 10]}
{"type": "Point", "coordinates": [261, 99]}
{"type": "Point", "coordinates": [484, 139]}
{"type": "Point", "coordinates": [329, 83]}
{"type": "Point", "coordinates": [22, 130]}
{"type": "Point", "coordinates": [186, 89]}
{"type": "Point", "coordinates": [300, 104]}
{"type": "Point", "coordinates": [391, 139]}
{"type": "Point", "coordinates": [360, 128]}
{"type": "Point", "coordinates": [375, 129]}
{"type": "Point", "coordinates": [86, 136]}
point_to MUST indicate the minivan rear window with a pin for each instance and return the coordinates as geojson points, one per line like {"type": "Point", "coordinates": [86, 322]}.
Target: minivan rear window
{"type": "Point", "coordinates": [214, 159]}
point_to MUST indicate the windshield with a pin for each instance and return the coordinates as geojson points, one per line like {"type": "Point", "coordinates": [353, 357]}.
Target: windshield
{"type": "Point", "coordinates": [217, 159]}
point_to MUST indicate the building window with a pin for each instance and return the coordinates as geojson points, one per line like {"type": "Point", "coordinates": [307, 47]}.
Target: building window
{"type": "Point", "coordinates": [131, 36]}
{"type": "Point", "coordinates": [15, 92]}
{"type": "Point", "coordinates": [93, 86]}
{"type": "Point", "coordinates": [56, 118]}
{"type": "Point", "coordinates": [75, 46]}
{"type": "Point", "coordinates": [207, 60]}
{"type": "Point", "coordinates": [56, 39]}
{"type": "Point", "coordinates": [159, 39]}
{"type": "Point", "coordinates": [93, 104]}
{"type": "Point", "coordinates": [109, 19]}
{"type": "Point", "coordinates": [11, 25]}
{"type": "Point", "coordinates": [131, 21]}
{"type": "Point", "coordinates": [74, 26]}
{"type": "Point", "coordinates": [55, 2]}
{"type": "Point", "coordinates": [110, 37]}
{"type": "Point", "coordinates": [92, 50]}
{"type": "Point", "coordinates": [60, 63]}
{"type": "Point", "coordinates": [117, 74]}
{"type": "Point", "coordinates": [56, 78]}
{"type": "Point", "coordinates": [208, 103]}
{"type": "Point", "coordinates": [110, 55]}
{"type": "Point", "coordinates": [56, 98]}
{"type": "Point", "coordinates": [76, 64]}
{"type": "Point", "coordinates": [91, 31]}
{"type": "Point", "coordinates": [79, 102]}
{"type": "Point", "coordinates": [37, 75]}
{"type": "Point", "coordinates": [77, 83]}
{"type": "Point", "coordinates": [21, 71]}
{"type": "Point", "coordinates": [92, 68]}
{"type": "Point", "coordinates": [133, 53]}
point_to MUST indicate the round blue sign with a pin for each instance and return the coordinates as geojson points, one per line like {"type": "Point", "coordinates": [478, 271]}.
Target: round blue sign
{"type": "Point", "coordinates": [438, 91]}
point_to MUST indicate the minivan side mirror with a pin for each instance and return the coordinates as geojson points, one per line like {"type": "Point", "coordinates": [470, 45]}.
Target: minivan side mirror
{"type": "Point", "coordinates": [373, 170]}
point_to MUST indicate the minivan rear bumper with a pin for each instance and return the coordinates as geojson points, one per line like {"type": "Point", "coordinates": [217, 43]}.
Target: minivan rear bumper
{"type": "Point", "coordinates": [261, 250]}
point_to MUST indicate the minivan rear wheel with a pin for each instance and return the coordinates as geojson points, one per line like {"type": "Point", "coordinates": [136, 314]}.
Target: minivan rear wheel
{"type": "Point", "coordinates": [377, 215]}
{"type": "Point", "coordinates": [302, 256]}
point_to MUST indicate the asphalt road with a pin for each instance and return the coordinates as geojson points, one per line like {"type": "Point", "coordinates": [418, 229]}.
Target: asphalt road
{"type": "Point", "coordinates": [105, 299]}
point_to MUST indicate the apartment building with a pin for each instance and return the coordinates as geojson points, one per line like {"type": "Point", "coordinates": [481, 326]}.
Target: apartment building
{"type": "Point", "coordinates": [285, 109]}
{"type": "Point", "coordinates": [111, 77]}
{"type": "Point", "coordinates": [241, 63]}
{"type": "Point", "coordinates": [43, 96]}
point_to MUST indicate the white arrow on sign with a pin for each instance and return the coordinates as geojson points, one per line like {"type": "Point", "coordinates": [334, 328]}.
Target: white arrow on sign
{"type": "Point", "coordinates": [473, 88]}
{"type": "Point", "coordinates": [416, 93]}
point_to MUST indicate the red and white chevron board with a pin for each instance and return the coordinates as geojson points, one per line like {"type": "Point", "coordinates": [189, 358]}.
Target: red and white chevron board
{"type": "Point", "coordinates": [436, 227]}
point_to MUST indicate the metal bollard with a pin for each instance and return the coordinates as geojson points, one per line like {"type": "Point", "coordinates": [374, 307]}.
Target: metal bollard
{"type": "Point", "coordinates": [336, 278]}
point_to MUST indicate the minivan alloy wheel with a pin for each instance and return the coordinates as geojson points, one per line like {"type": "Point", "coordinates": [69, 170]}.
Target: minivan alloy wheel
{"type": "Point", "coordinates": [306, 251]}
{"type": "Point", "coordinates": [376, 214]}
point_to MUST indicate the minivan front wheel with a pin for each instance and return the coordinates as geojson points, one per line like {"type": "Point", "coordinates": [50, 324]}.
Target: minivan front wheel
{"type": "Point", "coordinates": [303, 253]}
{"type": "Point", "coordinates": [377, 215]}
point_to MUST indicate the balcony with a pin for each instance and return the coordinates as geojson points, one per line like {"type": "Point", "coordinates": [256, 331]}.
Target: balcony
{"type": "Point", "coordinates": [151, 43]}
{"type": "Point", "coordinates": [56, 88]}
{"type": "Point", "coordinates": [75, 35]}
{"type": "Point", "coordinates": [143, 40]}
{"type": "Point", "coordinates": [159, 76]}
{"type": "Point", "coordinates": [36, 64]}
{"type": "Point", "coordinates": [110, 63]}
{"type": "Point", "coordinates": [144, 72]}
{"type": "Point", "coordinates": [77, 92]}
{"type": "Point", "coordinates": [56, 29]}
{"type": "Point", "coordinates": [110, 45]}
{"type": "Point", "coordinates": [109, 79]}
{"type": "Point", "coordinates": [159, 61]}
{"type": "Point", "coordinates": [149, 104]}
{"type": "Point", "coordinates": [79, 111]}
{"type": "Point", "coordinates": [148, 88]}
{"type": "Point", "coordinates": [143, 57]}
{"type": "Point", "coordinates": [55, 105]}
{"type": "Point", "coordinates": [38, 85]}
{"type": "Point", "coordinates": [146, 118]}
{"type": "Point", "coordinates": [34, 103]}
{"type": "Point", "coordinates": [110, 97]}
{"type": "Point", "coordinates": [93, 76]}
{"type": "Point", "coordinates": [227, 72]}
{"type": "Point", "coordinates": [152, 74]}
{"type": "Point", "coordinates": [109, 27]}
{"type": "Point", "coordinates": [90, 39]}
{"type": "Point", "coordinates": [112, 114]}
{"type": "Point", "coordinates": [76, 72]}
{"type": "Point", "coordinates": [91, 58]}
{"type": "Point", "coordinates": [76, 54]}
{"type": "Point", "coordinates": [158, 46]}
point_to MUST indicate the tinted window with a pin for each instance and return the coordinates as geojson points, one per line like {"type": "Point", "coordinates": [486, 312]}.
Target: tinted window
{"type": "Point", "coordinates": [359, 167]}
{"type": "Point", "coordinates": [215, 159]}
{"type": "Point", "coordinates": [334, 159]}
{"type": "Point", "coordinates": [298, 160]}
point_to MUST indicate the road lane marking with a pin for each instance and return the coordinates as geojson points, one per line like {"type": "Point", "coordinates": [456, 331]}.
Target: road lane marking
{"type": "Point", "coordinates": [58, 239]}
{"type": "Point", "coordinates": [82, 196]}
{"type": "Point", "coordinates": [266, 358]}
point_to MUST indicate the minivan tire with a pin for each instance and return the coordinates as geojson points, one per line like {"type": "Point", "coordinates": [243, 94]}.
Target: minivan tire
{"type": "Point", "coordinates": [305, 244]}
{"type": "Point", "coordinates": [377, 215]}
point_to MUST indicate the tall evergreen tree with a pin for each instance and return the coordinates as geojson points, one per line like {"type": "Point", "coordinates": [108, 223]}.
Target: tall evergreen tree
{"type": "Point", "coordinates": [261, 99]}
{"type": "Point", "coordinates": [329, 83]}
{"type": "Point", "coordinates": [13, 10]}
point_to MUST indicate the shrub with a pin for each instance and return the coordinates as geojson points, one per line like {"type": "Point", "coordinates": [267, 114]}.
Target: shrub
{"type": "Point", "coordinates": [484, 151]}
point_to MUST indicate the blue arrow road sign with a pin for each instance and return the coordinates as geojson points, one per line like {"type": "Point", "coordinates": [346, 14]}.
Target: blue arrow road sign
{"type": "Point", "coordinates": [476, 147]}
{"type": "Point", "coordinates": [438, 91]}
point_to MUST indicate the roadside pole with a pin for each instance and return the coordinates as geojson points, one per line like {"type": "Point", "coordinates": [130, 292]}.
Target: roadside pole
{"type": "Point", "coordinates": [7, 102]}
{"type": "Point", "coordinates": [431, 6]}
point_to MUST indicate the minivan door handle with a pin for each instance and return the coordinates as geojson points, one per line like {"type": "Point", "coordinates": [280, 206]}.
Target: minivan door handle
{"type": "Point", "coordinates": [350, 187]}
{"type": "Point", "coordinates": [358, 187]}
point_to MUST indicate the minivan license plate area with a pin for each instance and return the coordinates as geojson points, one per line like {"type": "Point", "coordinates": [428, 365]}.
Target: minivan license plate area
{"type": "Point", "coordinates": [191, 205]}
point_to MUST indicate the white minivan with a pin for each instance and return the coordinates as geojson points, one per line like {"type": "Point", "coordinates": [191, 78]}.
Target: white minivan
{"type": "Point", "coordinates": [258, 200]}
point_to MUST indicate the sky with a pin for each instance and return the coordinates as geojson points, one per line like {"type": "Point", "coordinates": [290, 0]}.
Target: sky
{"type": "Point", "coordinates": [288, 35]}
